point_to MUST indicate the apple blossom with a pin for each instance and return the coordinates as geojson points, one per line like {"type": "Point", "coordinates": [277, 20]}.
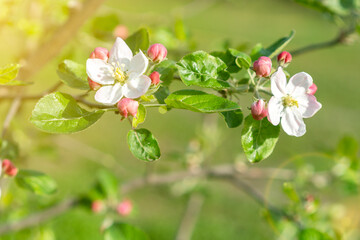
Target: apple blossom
{"type": "Point", "coordinates": [312, 89]}
{"type": "Point", "coordinates": [262, 66]}
{"type": "Point", "coordinates": [155, 78]}
{"type": "Point", "coordinates": [157, 52]}
{"type": "Point", "coordinates": [121, 75]}
{"type": "Point", "coordinates": [291, 102]}
{"type": "Point", "coordinates": [124, 208]}
{"type": "Point", "coordinates": [258, 109]}
{"type": "Point", "coordinates": [100, 53]}
{"type": "Point", "coordinates": [127, 107]}
{"type": "Point", "coordinates": [284, 58]}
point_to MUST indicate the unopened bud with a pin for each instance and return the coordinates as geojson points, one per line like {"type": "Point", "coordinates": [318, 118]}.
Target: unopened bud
{"type": "Point", "coordinates": [262, 66]}
{"type": "Point", "coordinates": [121, 31]}
{"type": "Point", "coordinates": [155, 78]}
{"type": "Point", "coordinates": [97, 206]}
{"type": "Point", "coordinates": [124, 208]}
{"type": "Point", "coordinates": [9, 168]}
{"type": "Point", "coordinates": [100, 53]}
{"type": "Point", "coordinates": [157, 52]}
{"type": "Point", "coordinates": [258, 109]}
{"type": "Point", "coordinates": [284, 58]}
{"type": "Point", "coordinates": [128, 107]}
{"type": "Point", "coordinates": [93, 85]}
{"type": "Point", "coordinates": [312, 89]}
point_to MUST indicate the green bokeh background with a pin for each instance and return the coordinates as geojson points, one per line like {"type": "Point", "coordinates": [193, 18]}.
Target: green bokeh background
{"type": "Point", "coordinates": [73, 160]}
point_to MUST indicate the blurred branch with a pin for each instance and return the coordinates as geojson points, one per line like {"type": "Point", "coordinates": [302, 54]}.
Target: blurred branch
{"type": "Point", "coordinates": [190, 217]}
{"type": "Point", "coordinates": [227, 171]}
{"type": "Point", "coordinates": [339, 39]}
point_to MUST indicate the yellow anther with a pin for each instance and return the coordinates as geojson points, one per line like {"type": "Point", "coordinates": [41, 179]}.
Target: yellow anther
{"type": "Point", "coordinates": [289, 101]}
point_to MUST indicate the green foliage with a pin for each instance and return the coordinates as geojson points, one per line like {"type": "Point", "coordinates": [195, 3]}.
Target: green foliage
{"type": "Point", "coordinates": [138, 41]}
{"type": "Point", "coordinates": [273, 50]}
{"type": "Point", "coordinates": [73, 74]}
{"type": "Point", "coordinates": [233, 119]}
{"type": "Point", "coordinates": [258, 138]}
{"type": "Point", "coordinates": [59, 113]}
{"type": "Point", "coordinates": [348, 147]}
{"type": "Point", "coordinates": [8, 74]}
{"type": "Point", "coordinates": [234, 59]}
{"type": "Point", "coordinates": [162, 94]}
{"type": "Point", "coordinates": [108, 184]}
{"type": "Point", "coordinates": [312, 234]}
{"type": "Point", "coordinates": [140, 116]}
{"type": "Point", "coordinates": [166, 69]}
{"type": "Point", "coordinates": [143, 145]}
{"type": "Point", "coordinates": [290, 192]}
{"type": "Point", "coordinates": [37, 182]}
{"type": "Point", "coordinates": [204, 70]}
{"type": "Point", "coordinates": [103, 26]}
{"type": "Point", "coordinates": [198, 101]}
{"type": "Point", "coordinates": [124, 231]}
{"type": "Point", "coordinates": [9, 150]}
{"type": "Point", "coordinates": [333, 7]}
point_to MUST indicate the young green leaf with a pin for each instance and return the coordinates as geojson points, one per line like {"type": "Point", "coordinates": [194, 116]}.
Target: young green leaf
{"type": "Point", "coordinates": [59, 113]}
{"type": "Point", "coordinates": [124, 231]}
{"type": "Point", "coordinates": [140, 116]}
{"type": "Point", "coordinates": [162, 94]}
{"type": "Point", "coordinates": [8, 73]}
{"type": "Point", "coordinates": [143, 145]}
{"type": "Point", "coordinates": [242, 59]}
{"type": "Point", "coordinates": [73, 74]}
{"type": "Point", "coordinates": [204, 70]}
{"type": "Point", "coordinates": [108, 184]}
{"type": "Point", "coordinates": [233, 119]}
{"type": "Point", "coordinates": [258, 138]}
{"type": "Point", "coordinates": [198, 101]}
{"type": "Point", "coordinates": [37, 182]}
{"type": "Point", "coordinates": [138, 41]}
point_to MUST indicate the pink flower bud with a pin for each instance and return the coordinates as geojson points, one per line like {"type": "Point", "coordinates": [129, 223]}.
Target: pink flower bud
{"type": "Point", "coordinates": [157, 52]}
{"type": "Point", "coordinates": [121, 31]}
{"type": "Point", "coordinates": [284, 58]}
{"type": "Point", "coordinates": [258, 109]}
{"type": "Point", "coordinates": [97, 206]}
{"type": "Point", "coordinates": [93, 85]}
{"type": "Point", "coordinates": [155, 78]}
{"type": "Point", "coordinates": [262, 66]}
{"type": "Point", "coordinates": [9, 168]}
{"type": "Point", "coordinates": [124, 208]}
{"type": "Point", "coordinates": [100, 53]}
{"type": "Point", "coordinates": [127, 107]}
{"type": "Point", "coordinates": [312, 89]}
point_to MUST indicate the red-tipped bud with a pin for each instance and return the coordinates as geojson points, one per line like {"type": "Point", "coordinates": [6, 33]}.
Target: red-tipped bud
{"type": "Point", "coordinates": [128, 107]}
{"type": "Point", "coordinates": [155, 78]}
{"type": "Point", "coordinates": [9, 168]}
{"type": "Point", "coordinates": [157, 52]}
{"type": "Point", "coordinates": [93, 85]}
{"type": "Point", "coordinates": [258, 109]}
{"type": "Point", "coordinates": [262, 66]}
{"type": "Point", "coordinates": [124, 208]}
{"type": "Point", "coordinates": [97, 206]}
{"type": "Point", "coordinates": [121, 31]}
{"type": "Point", "coordinates": [284, 58]}
{"type": "Point", "coordinates": [312, 89]}
{"type": "Point", "coordinates": [100, 53]}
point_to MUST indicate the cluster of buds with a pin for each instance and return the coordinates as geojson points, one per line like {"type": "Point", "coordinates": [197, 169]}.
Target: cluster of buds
{"type": "Point", "coordinates": [123, 208]}
{"type": "Point", "coordinates": [8, 168]}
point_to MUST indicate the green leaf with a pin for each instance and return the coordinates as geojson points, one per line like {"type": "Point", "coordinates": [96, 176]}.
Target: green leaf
{"type": "Point", "coordinates": [143, 145]}
{"type": "Point", "coordinates": [162, 94]}
{"type": "Point", "coordinates": [233, 119]}
{"type": "Point", "coordinates": [348, 147]}
{"type": "Point", "coordinates": [166, 69]}
{"type": "Point", "coordinates": [124, 231]}
{"type": "Point", "coordinates": [9, 150]}
{"type": "Point", "coordinates": [8, 73]}
{"type": "Point", "coordinates": [73, 74]}
{"type": "Point", "coordinates": [290, 192]}
{"type": "Point", "coordinates": [333, 7]}
{"type": "Point", "coordinates": [258, 138]}
{"type": "Point", "coordinates": [37, 182]}
{"type": "Point", "coordinates": [313, 234]}
{"type": "Point", "coordinates": [273, 50]}
{"type": "Point", "coordinates": [242, 59]}
{"type": "Point", "coordinates": [198, 101]}
{"type": "Point", "coordinates": [108, 184]}
{"type": "Point", "coordinates": [138, 41]}
{"type": "Point", "coordinates": [204, 70]}
{"type": "Point", "coordinates": [59, 113]}
{"type": "Point", "coordinates": [140, 116]}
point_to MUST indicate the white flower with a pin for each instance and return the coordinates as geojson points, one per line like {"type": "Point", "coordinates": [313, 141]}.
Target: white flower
{"type": "Point", "coordinates": [291, 102]}
{"type": "Point", "coordinates": [122, 75]}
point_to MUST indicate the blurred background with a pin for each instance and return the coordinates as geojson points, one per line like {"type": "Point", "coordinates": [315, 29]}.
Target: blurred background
{"type": "Point", "coordinates": [182, 26]}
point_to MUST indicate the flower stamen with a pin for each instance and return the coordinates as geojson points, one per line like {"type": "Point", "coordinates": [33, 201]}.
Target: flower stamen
{"type": "Point", "coordinates": [289, 101]}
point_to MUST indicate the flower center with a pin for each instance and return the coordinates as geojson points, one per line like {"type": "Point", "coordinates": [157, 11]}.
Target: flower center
{"type": "Point", "coordinates": [289, 101]}
{"type": "Point", "coordinates": [119, 75]}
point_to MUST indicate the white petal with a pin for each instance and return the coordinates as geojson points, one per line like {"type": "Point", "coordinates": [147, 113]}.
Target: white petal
{"type": "Point", "coordinates": [278, 83]}
{"type": "Point", "coordinates": [120, 51]}
{"type": "Point", "coordinates": [109, 95]}
{"type": "Point", "coordinates": [292, 122]}
{"type": "Point", "coordinates": [138, 64]}
{"type": "Point", "coordinates": [275, 109]}
{"type": "Point", "coordinates": [99, 71]}
{"type": "Point", "coordinates": [299, 84]}
{"type": "Point", "coordinates": [308, 105]}
{"type": "Point", "coordinates": [136, 87]}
